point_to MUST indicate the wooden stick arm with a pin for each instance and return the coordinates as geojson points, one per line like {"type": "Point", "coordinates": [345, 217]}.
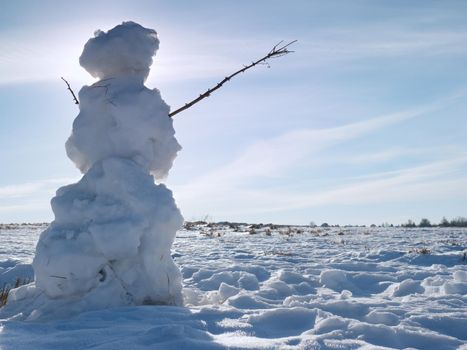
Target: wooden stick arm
{"type": "Point", "coordinates": [71, 91]}
{"type": "Point", "coordinates": [276, 51]}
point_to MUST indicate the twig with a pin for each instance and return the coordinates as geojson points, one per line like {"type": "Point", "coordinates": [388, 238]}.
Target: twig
{"type": "Point", "coordinates": [106, 87]}
{"type": "Point", "coordinates": [72, 93]}
{"type": "Point", "coordinates": [61, 277]}
{"type": "Point", "coordinates": [276, 51]}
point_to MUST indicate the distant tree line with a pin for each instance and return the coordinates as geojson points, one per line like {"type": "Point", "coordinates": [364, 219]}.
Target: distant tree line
{"type": "Point", "coordinates": [456, 222]}
{"type": "Point", "coordinates": [459, 221]}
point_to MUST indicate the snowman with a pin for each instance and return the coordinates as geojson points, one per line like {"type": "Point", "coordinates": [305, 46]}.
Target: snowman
{"type": "Point", "coordinates": [110, 242]}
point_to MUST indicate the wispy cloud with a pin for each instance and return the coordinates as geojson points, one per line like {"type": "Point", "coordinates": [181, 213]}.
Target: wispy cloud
{"type": "Point", "coordinates": [392, 153]}
{"type": "Point", "coordinates": [228, 186]}
{"type": "Point", "coordinates": [30, 189]}
{"type": "Point", "coordinates": [371, 41]}
{"type": "Point", "coordinates": [432, 181]}
{"type": "Point", "coordinates": [29, 201]}
{"type": "Point", "coordinates": [271, 157]}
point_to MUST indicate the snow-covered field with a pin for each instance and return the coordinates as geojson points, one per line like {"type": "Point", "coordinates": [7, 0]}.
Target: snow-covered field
{"type": "Point", "coordinates": [279, 288]}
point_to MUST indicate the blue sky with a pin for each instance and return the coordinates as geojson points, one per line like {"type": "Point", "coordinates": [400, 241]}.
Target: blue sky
{"type": "Point", "coordinates": [364, 123]}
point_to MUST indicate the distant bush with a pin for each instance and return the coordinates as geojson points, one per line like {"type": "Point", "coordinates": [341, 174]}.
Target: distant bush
{"type": "Point", "coordinates": [444, 222]}
{"type": "Point", "coordinates": [424, 223]}
{"type": "Point", "coordinates": [458, 222]}
{"type": "Point", "coordinates": [409, 223]}
{"type": "Point", "coordinates": [421, 251]}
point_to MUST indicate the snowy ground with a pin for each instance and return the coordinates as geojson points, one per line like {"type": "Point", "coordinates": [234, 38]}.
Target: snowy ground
{"type": "Point", "coordinates": [280, 288]}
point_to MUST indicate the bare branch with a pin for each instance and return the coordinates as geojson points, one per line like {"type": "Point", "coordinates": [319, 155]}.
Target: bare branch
{"type": "Point", "coordinates": [72, 93]}
{"type": "Point", "coordinates": [276, 51]}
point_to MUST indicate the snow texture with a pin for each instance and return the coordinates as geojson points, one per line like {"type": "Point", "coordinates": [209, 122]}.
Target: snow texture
{"type": "Point", "coordinates": [110, 242]}
{"type": "Point", "coordinates": [334, 288]}
{"type": "Point", "coordinates": [125, 50]}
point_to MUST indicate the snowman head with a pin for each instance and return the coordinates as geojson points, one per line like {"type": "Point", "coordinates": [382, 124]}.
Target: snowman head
{"type": "Point", "coordinates": [124, 50]}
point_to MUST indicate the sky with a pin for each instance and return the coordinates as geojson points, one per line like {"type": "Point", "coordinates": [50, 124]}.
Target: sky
{"type": "Point", "coordinates": [364, 123]}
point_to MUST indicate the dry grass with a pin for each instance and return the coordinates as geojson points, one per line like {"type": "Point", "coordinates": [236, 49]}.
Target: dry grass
{"type": "Point", "coordinates": [5, 290]}
{"type": "Point", "coordinates": [421, 251]}
{"type": "Point", "coordinates": [278, 253]}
